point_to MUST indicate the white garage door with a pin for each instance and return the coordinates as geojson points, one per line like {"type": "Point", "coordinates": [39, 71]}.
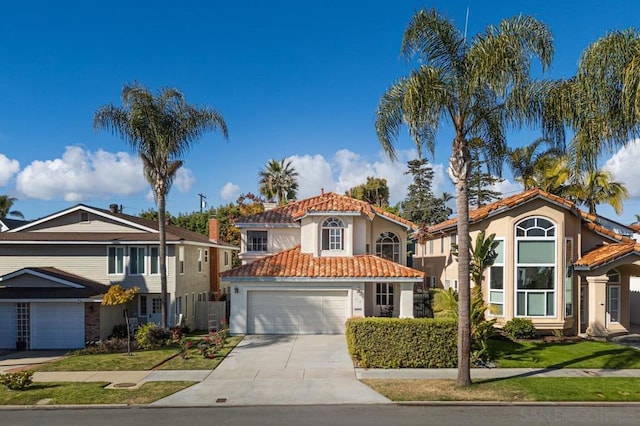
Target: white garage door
{"type": "Point", "coordinates": [57, 325]}
{"type": "Point", "coordinates": [7, 325]}
{"type": "Point", "coordinates": [296, 312]}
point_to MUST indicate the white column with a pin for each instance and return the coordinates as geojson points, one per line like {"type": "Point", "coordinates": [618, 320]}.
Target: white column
{"type": "Point", "coordinates": [406, 300]}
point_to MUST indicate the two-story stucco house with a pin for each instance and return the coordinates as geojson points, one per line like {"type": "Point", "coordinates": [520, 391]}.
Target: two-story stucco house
{"type": "Point", "coordinates": [561, 267]}
{"type": "Point", "coordinates": [54, 271]}
{"type": "Point", "coordinates": [311, 264]}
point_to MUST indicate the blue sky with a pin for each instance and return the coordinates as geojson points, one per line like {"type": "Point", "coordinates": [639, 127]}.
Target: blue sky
{"type": "Point", "coordinates": [299, 80]}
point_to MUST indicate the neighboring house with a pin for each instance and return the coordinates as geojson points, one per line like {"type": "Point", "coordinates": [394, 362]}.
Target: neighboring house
{"type": "Point", "coordinates": [7, 224]}
{"type": "Point", "coordinates": [54, 271]}
{"type": "Point", "coordinates": [561, 267]}
{"type": "Point", "coordinates": [311, 264]}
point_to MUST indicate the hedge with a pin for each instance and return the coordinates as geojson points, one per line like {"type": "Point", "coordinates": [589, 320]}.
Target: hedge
{"type": "Point", "coordinates": [403, 343]}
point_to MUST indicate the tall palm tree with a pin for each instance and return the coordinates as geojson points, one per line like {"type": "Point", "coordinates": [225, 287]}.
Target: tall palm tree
{"type": "Point", "coordinates": [6, 203]}
{"type": "Point", "coordinates": [161, 128]}
{"type": "Point", "coordinates": [525, 160]}
{"type": "Point", "coordinates": [597, 187]}
{"type": "Point", "coordinates": [279, 180]}
{"type": "Point", "coordinates": [479, 86]}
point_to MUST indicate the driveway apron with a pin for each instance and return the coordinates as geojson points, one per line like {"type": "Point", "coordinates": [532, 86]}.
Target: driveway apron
{"type": "Point", "coordinates": [281, 370]}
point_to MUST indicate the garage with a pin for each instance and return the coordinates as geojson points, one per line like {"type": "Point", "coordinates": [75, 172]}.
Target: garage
{"type": "Point", "coordinates": [57, 325]}
{"type": "Point", "coordinates": [296, 312]}
{"type": "Point", "coordinates": [8, 325]}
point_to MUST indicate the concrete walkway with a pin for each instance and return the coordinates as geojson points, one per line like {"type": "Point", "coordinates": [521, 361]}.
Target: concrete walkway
{"type": "Point", "coordinates": [281, 370]}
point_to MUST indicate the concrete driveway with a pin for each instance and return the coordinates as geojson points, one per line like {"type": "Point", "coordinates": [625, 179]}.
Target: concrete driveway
{"type": "Point", "coordinates": [281, 370]}
{"type": "Point", "coordinates": [23, 360]}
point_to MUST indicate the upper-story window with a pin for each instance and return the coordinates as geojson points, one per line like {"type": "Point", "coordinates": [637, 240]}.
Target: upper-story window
{"type": "Point", "coordinates": [333, 234]}
{"type": "Point", "coordinates": [388, 246]}
{"type": "Point", "coordinates": [115, 261]}
{"type": "Point", "coordinates": [256, 240]}
{"type": "Point", "coordinates": [137, 260]}
{"type": "Point", "coordinates": [535, 267]}
{"type": "Point", "coordinates": [154, 260]}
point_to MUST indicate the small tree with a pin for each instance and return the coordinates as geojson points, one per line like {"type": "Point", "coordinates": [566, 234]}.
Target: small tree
{"type": "Point", "coordinates": [119, 296]}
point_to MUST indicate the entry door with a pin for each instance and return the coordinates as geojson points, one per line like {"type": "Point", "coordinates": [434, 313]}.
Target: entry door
{"type": "Point", "coordinates": [151, 307]}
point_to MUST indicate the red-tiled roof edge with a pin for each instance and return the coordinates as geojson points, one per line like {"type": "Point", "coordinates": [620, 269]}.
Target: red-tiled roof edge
{"type": "Point", "coordinates": [620, 250]}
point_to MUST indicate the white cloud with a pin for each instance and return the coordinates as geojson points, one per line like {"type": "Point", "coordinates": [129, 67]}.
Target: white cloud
{"type": "Point", "coordinates": [229, 191]}
{"type": "Point", "coordinates": [184, 179]}
{"type": "Point", "coordinates": [81, 174]}
{"type": "Point", "coordinates": [8, 168]}
{"type": "Point", "coordinates": [315, 174]}
{"type": "Point", "coordinates": [348, 169]}
{"type": "Point", "coordinates": [507, 187]}
{"type": "Point", "coordinates": [623, 165]}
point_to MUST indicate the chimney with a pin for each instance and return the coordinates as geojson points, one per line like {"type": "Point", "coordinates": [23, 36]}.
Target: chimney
{"type": "Point", "coordinates": [214, 229]}
{"type": "Point", "coordinates": [321, 191]}
{"type": "Point", "coordinates": [113, 208]}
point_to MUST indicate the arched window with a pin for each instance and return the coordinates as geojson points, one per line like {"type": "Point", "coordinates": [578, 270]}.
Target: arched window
{"type": "Point", "coordinates": [535, 268]}
{"type": "Point", "coordinates": [333, 234]}
{"type": "Point", "coordinates": [388, 246]}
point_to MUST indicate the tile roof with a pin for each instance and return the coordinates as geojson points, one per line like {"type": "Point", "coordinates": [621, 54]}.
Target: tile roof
{"type": "Point", "coordinates": [606, 254]}
{"type": "Point", "coordinates": [294, 264]}
{"type": "Point", "coordinates": [326, 202]}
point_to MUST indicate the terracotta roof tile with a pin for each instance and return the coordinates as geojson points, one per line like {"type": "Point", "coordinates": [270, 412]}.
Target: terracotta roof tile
{"type": "Point", "coordinates": [294, 264]}
{"type": "Point", "coordinates": [327, 202]}
{"type": "Point", "coordinates": [605, 254]}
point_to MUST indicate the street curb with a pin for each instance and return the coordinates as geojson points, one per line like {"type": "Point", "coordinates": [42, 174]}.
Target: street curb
{"type": "Point", "coordinates": [63, 407]}
{"type": "Point", "coordinates": [517, 403]}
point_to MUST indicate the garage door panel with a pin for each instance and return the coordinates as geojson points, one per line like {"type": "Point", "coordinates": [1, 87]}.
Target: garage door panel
{"type": "Point", "coordinates": [296, 312]}
{"type": "Point", "coordinates": [57, 325]}
{"type": "Point", "coordinates": [8, 326]}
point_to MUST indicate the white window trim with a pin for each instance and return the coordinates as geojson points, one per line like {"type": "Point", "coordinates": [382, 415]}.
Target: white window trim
{"type": "Point", "coordinates": [338, 232]}
{"type": "Point", "coordinates": [180, 260]}
{"type": "Point", "coordinates": [151, 260]}
{"type": "Point", "coordinates": [266, 245]}
{"type": "Point", "coordinates": [386, 293]}
{"type": "Point", "coordinates": [199, 261]}
{"type": "Point", "coordinates": [395, 245]}
{"type": "Point", "coordinates": [568, 257]}
{"type": "Point", "coordinates": [504, 281]}
{"type": "Point", "coordinates": [124, 260]}
{"type": "Point", "coordinates": [553, 265]}
{"type": "Point", "coordinates": [144, 259]}
{"type": "Point", "coordinates": [609, 288]}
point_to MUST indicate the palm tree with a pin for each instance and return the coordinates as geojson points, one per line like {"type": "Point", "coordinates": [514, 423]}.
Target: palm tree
{"type": "Point", "coordinates": [597, 187]}
{"type": "Point", "coordinates": [161, 128]}
{"type": "Point", "coordinates": [524, 161]}
{"type": "Point", "coordinates": [480, 86]}
{"type": "Point", "coordinates": [6, 203]}
{"type": "Point", "coordinates": [279, 180]}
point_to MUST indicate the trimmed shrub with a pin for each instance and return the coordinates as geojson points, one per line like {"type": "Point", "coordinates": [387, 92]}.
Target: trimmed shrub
{"type": "Point", "coordinates": [520, 328]}
{"type": "Point", "coordinates": [403, 343]}
{"type": "Point", "coordinates": [17, 381]}
{"type": "Point", "coordinates": [119, 331]}
{"type": "Point", "coordinates": [150, 336]}
{"type": "Point", "coordinates": [108, 346]}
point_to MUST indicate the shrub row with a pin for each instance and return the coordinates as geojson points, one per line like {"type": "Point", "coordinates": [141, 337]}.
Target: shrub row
{"type": "Point", "coordinates": [403, 343]}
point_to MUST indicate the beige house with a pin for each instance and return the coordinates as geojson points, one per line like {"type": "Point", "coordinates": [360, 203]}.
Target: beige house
{"type": "Point", "coordinates": [311, 264]}
{"type": "Point", "coordinates": [561, 267]}
{"type": "Point", "coordinates": [54, 271]}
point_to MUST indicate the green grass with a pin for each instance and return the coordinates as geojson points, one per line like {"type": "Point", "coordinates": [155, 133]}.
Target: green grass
{"type": "Point", "coordinates": [89, 393]}
{"type": "Point", "coordinates": [567, 354]}
{"type": "Point", "coordinates": [600, 389]}
{"type": "Point", "coordinates": [138, 360]}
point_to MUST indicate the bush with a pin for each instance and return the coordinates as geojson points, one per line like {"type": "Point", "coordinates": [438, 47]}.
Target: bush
{"type": "Point", "coordinates": [403, 343]}
{"type": "Point", "coordinates": [108, 346]}
{"type": "Point", "coordinates": [17, 381]}
{"type": "Point", "coordinates": [520, 328]}
{"type": "Point", "coordinates": [119, 331]}
{"type": "Point", "coordinates": [150, 336]}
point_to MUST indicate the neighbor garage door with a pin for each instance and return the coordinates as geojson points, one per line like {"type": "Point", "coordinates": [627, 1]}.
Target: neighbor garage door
{"type": "Point", "coordinates": [57, 325]}
{"type": "Point", "coordinates": [7, 325]}
{"type": "Point", "coordinates": [296, 312]}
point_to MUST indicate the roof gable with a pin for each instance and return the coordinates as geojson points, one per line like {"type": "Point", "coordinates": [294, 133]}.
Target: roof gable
{"type": "Point", "coordinates": [48, 282]}
{"type": "Point", "coordinates": [326, 203]}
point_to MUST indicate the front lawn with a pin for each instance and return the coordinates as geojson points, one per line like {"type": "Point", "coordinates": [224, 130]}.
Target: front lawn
{"type": "Point", "coordinates": [566, 354]}
{"type": "Point", "coordinates": [66, 393]}
{"type": "Point", "coordinates": [142, 360]}
{"type": "Point", "coordinates": [611, 389]}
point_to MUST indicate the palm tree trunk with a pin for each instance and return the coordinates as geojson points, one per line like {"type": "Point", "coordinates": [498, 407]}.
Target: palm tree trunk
{"type": "Point", "coordinates": [460, 163]}
{"type": "Point", "coordinates": [162, 249]}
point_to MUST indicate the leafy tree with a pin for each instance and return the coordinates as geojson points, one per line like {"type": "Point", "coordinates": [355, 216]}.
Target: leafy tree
{"type": "Point", "coordinates": [161, 128]}
{"type": "Point", "coordinates": [119, 296]}
{"type": "Point", "coordinates": [6, 205]}
{"type": "Point", "coordinates": [480, 180]}
{"type": "Point", "coordinates": [421, 206]}
{"type": "Point", "coordinates": [527, 161]}
{"type": "Point", "coordinates": [375, 191]}
{"type": "Point", "coordinates": [278, 180]}
{"type": "Point", "coordinates": [480, 85]}
{"type": "Point", "coordinates": [597, 187]}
